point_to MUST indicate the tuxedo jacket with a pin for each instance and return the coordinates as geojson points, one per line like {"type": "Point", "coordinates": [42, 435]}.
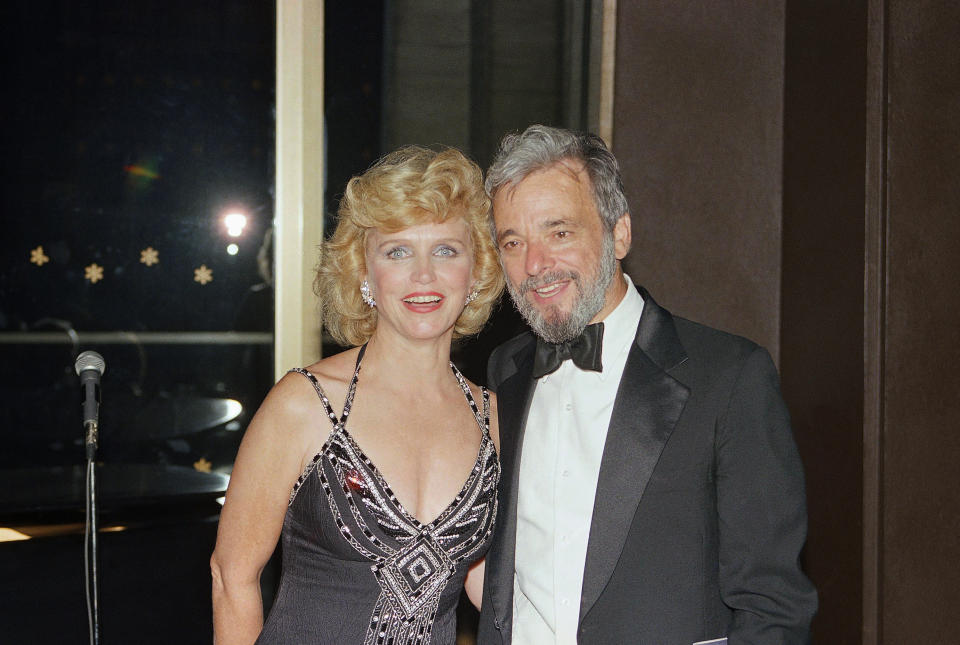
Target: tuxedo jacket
{"type": "Point", "coordinates": [700, 513]}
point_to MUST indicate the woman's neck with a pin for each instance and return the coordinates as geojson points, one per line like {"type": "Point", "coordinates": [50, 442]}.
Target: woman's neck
{"type": "Point", "coordinates": [419, 361]}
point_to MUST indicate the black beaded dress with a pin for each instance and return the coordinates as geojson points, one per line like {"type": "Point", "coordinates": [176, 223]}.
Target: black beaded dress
{"type": "Point", "coordinates": [357, 567]}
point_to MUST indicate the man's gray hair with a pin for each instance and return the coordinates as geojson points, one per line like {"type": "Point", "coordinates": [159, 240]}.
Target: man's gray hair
{"type": "Point", "coordinates": [541, 146]}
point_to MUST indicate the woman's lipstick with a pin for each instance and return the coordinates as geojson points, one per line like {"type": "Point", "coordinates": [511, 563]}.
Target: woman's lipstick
{"type": "Point", "coordinates": [422, 302]}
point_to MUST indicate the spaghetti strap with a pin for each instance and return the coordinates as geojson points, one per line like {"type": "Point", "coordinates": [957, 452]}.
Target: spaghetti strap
{"type": "Point", "coordinates": [342, 419]}
{"type": "Point", "coordinates": [323, 397]}
{"type": "Point", "coordinates": [486, 411]}
{"type": "Point", "coordinates": [312, 465]}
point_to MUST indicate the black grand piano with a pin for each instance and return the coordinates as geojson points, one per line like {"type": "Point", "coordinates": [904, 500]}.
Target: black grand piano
{"type": "Point", "coordinates": [162, 471]}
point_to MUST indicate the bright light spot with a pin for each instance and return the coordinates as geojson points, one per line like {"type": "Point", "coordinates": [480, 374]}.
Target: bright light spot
{"type": "Point", "coordinates": [11, 535]}
{"type": "Point", "coordinates": [221, 500]}
{"type": "Point", "coordinates": [233, 249]}
{"type": "Point", "coordinates": [235, 222]}
{"type": "Point", "coordinates": [234, 408]}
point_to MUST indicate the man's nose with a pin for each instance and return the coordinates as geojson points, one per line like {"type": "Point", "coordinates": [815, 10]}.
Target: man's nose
{"type": "Point", "coordinates": [538, 259]}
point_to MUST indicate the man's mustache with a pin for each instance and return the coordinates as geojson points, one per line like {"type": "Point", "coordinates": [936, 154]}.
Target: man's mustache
{"type": "Point", "coordinates": [535, 282]}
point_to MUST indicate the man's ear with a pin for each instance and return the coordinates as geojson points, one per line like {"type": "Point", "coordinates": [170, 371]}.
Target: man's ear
{"type": "Point", "coordinates": [622, 236]}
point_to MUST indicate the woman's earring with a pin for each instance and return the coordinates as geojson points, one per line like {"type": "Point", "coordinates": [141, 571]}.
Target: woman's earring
{"type": "Point", "coordinates": [366, 295]}
{"type": "Point", "coordinates": [473, 295]}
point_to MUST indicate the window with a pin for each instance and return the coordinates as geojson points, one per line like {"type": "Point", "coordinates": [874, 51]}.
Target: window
{"type": "Point", "coordinates": [138, 208]}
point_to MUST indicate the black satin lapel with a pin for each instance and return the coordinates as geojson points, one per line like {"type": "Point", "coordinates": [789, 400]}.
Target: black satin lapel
{"type": "Point", "coordinates": [648, 405]}
{"type": "Point", "coordinates": [513, 402]}
{"type": "Point", "coordinates": [657, 335]}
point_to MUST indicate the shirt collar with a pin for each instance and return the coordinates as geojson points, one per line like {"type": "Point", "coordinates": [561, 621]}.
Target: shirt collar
{"type": "Point", "coordinates": [620, 325]}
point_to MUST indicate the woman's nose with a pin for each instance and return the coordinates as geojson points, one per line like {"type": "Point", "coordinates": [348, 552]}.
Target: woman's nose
{"type": "Point", "coordinates": [424, 271]}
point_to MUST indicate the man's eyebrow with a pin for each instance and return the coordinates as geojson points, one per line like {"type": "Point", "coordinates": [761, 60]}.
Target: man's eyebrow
{"type": "Point", "coordinates": [503, 234]}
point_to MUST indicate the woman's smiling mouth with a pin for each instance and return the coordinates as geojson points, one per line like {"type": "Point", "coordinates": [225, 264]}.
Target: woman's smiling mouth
{"type": "Point", "coordinates": [423, 302]}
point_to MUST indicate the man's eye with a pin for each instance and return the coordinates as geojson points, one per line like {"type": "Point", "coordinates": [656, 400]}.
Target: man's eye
{"type": "Point", "coordinates": [563, 234]}
{"type": "Point", "coordinates": [510, 244]}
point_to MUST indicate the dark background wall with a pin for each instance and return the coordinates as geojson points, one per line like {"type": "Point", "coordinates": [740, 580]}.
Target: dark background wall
{"type": "Point", "coordinates": [822, 315]}
{"type": "Point", "coordinates": [792, 169]}
{"type": "Point", "coordinates": [698, 130]}
{"type": "Point", "coordinates": [918, 428]}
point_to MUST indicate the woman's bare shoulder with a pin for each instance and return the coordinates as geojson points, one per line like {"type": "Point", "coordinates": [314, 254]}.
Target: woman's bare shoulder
{"type": "Point", "coordinates": [288, 403]}
{"type": "Point", "coordinates": [292, 414]}
{"type": "Point", "coordinates": [294, 396]}
{"type": "Point", "coordinates": [337, 368]}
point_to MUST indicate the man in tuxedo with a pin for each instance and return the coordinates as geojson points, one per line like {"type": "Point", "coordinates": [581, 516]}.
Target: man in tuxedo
{"type": "Point", "coordinates": [651, 490]}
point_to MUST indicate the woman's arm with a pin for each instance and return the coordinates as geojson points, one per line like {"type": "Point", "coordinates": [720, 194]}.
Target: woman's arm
{"type": "Point", "coordinates": [473, 585]}
{"type": "Point", "coordinates": [267, 466]}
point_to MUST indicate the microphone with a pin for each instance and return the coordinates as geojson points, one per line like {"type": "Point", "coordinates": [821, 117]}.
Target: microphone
{"type": "Point", "coordinates": [90, 366]}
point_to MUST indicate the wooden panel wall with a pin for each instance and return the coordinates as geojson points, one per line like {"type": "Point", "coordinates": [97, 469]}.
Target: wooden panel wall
{"type": "Point", "coordinates": [426, 74]}
{"type": "Point", "coordinates": [822, 301]}
{"type": "Point", "coordinates": [698, 111]}
{"type": "Point", "coordinates": [919, 430]}
{"type": "Point", "coordinates": [792, 169]}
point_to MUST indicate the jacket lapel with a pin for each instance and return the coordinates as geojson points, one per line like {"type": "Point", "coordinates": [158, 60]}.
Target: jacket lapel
{"type": "Point", "coordinates": [646, 409]}
{"type": "Point", "coordinates": [514, 395]}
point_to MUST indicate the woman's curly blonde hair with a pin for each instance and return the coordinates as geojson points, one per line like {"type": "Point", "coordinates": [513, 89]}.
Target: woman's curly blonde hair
{"type": "Point", "coordinates": [408, 187]}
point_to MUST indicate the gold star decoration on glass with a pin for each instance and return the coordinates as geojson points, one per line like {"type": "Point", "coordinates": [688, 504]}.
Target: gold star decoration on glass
{"type": "Point", "coordinates": [203, 275]}
{"type": "Point", "coordinates": [149, 256]}
{"type": "Point", "coordinates": [37, 257]}
{"type": "Point", "coordinates": [202, 465]}
{"type": "Point", "coordinates": [93, 273]}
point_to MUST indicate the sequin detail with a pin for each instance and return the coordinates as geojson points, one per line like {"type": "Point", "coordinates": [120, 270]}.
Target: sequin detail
{"type": "Point", "coordinates": [412, 562]}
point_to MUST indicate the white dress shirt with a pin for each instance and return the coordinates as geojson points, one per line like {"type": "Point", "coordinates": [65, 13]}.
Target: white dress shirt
{"type": "Point", "coordinates": [559, 465]}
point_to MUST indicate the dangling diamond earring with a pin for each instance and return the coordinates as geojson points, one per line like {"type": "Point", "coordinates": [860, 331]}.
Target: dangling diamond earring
{"type": "Point", "coordinates": [473, 295]}
{"type": "Point", "coordinates": [366, 295]}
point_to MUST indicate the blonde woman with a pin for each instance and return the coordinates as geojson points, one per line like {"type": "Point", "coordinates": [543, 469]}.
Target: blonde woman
{"type": "Point", "coordinates": [377, 467]}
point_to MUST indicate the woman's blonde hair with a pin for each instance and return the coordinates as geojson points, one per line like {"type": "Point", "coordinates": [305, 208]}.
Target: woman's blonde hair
{"type": "Point", "coordinates": [408, 187]}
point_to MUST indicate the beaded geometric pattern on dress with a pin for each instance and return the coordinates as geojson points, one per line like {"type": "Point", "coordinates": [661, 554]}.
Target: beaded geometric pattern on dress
{"type": "Point", "coordinates": [412, 574]}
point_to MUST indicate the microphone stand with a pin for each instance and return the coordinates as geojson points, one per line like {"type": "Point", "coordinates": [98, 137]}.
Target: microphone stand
{"type": "Point", "coordinates": [90, 536]}
{"type": "Point", "coordinates": [89, 367]}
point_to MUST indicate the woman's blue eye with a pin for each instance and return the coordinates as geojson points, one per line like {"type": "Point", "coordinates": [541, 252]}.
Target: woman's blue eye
{"type": "Point", "coordinates": [446, 251]}
{"type": "Point", "coordinates": [397, 253]}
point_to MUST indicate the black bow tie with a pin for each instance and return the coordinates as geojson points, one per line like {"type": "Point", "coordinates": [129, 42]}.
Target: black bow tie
{"type": "Point", "coordinates": [585, 351]}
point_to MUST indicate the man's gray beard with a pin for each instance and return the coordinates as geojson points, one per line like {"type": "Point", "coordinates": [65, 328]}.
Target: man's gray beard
{"type": "Point", "coordinates": [551, 325]}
